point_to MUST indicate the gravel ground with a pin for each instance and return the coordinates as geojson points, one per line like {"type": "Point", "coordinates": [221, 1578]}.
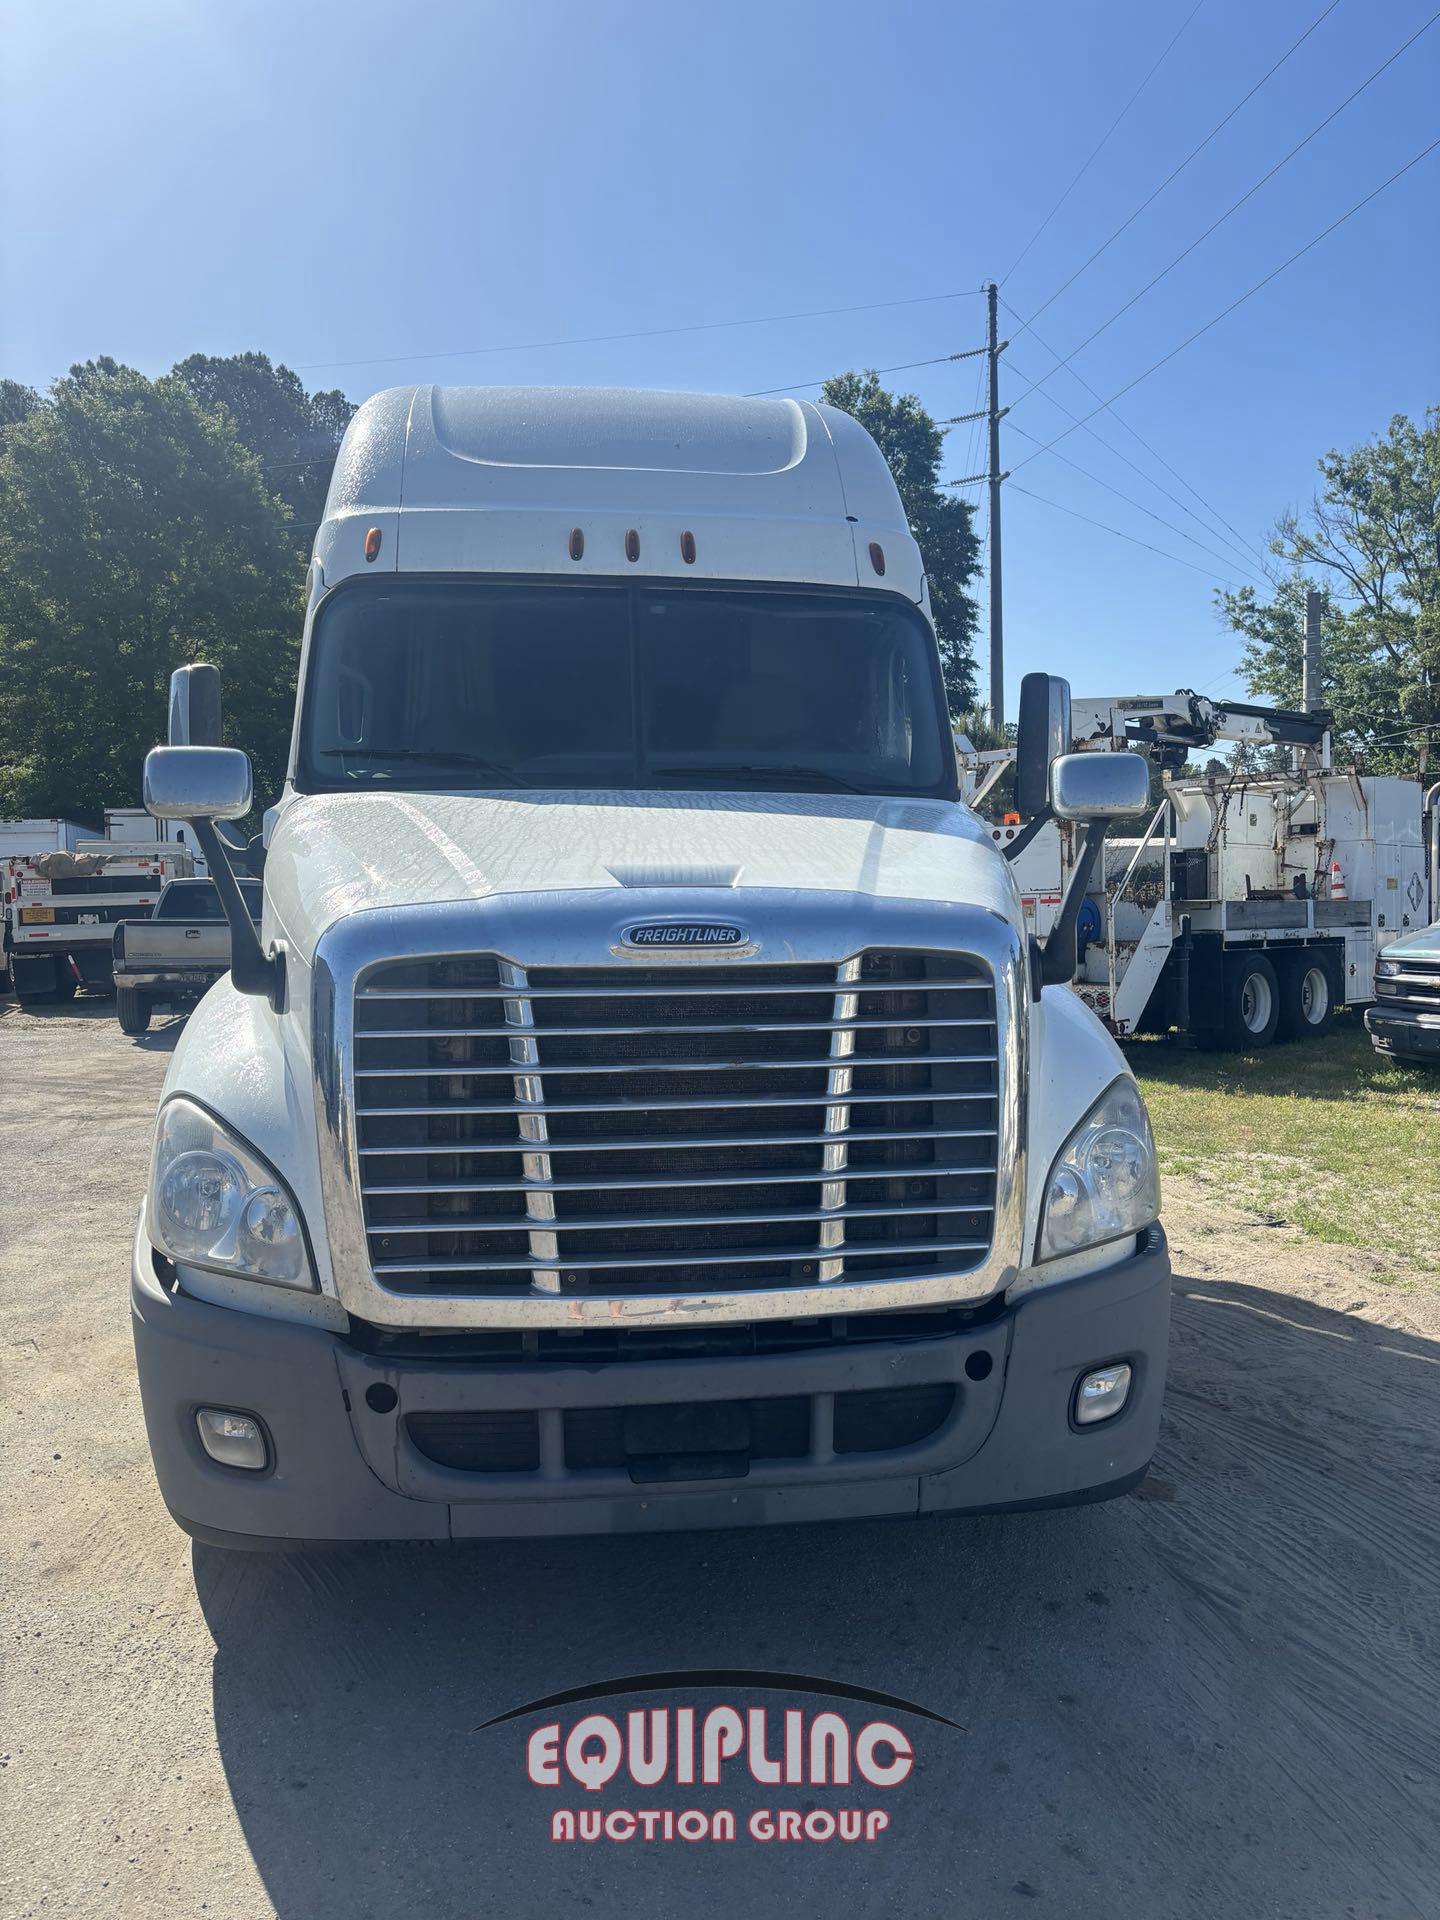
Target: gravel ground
{"type": "Point", "coordinates": [1217, 1695]}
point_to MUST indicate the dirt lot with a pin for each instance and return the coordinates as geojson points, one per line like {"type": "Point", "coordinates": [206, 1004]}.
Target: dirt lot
{"type": "Point", "coordinates": [1219, 1695]}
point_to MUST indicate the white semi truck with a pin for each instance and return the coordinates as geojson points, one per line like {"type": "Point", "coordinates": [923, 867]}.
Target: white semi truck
{"type": "Point", "coordinates": [644, 1104]}
{"type": "Point", "coordinates": [1252, 905]}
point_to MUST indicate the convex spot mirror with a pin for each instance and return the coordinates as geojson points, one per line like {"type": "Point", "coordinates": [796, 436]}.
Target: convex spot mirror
{"type": "Point", "coordinates": [195, 719]}
{"type": "Point", "coordinates": [197, 783]}
{"type": "Point", "coordinates": [1042, 735]}
{"type": "Point", "coordinates": [1099, 786]}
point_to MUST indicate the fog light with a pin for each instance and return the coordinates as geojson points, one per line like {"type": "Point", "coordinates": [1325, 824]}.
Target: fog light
{"type": "Point", "coordinates": [1101, 1395]}
{"type": "Point", "coordinates": [234, 1439]}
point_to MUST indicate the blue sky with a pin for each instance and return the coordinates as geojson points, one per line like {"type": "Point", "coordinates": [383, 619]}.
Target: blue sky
{"type": "Point", "coordinates": [364, 190]}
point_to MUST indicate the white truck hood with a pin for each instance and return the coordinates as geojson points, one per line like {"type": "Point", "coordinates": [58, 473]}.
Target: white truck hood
{"type": "Point", "coordinates": [336, 854]}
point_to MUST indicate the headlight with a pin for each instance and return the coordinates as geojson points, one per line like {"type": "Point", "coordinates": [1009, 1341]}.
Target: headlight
{"type": "Point", "coordinates": [215, 1203]}
{"type": "Point", "coordinates": [1387, 969]}
{"type": "Point", "coordinates": [1104, 1182]}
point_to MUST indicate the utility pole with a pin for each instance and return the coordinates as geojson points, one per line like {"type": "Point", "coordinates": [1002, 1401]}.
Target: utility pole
{"type": "Point", "coordinates": [994, 413]}
{"type": "Point", "coordinates": [994, 347]}
{"type": "Point", "coordinates": [1310, 680]}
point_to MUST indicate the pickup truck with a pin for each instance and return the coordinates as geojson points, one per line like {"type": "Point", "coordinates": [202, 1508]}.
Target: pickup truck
{"type": "Point", "coordinates": [1405, 1019]}
{"type": "Point", "coordinates": [177, 954]}
{"type": "Point", "coordinates": [644, 1104]}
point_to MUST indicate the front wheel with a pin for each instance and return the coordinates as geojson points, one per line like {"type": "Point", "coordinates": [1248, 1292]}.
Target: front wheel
{"type": "Point", "coordinates": [133, 1010]}
{"type": "Point", "coordinates": [1252, 1001]}
{"type": "Point", "coordinates": [1307, 997]}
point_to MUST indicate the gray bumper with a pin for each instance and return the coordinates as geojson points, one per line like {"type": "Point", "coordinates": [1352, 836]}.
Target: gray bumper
{"type": "Point", "coordinates": [344, 1465]}
{"type": "Point", "coordinates": [1402, 1030]}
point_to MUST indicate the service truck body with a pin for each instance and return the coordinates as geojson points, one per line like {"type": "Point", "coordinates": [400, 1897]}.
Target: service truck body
{"type": "Point", "coordinates": [1249, 908]}
{"type": "Point", "coordinates": [653, 1115]}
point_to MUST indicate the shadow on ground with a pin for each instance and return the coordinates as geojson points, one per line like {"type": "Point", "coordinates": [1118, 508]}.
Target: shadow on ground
{"type": "Point", "coordinates": [1217, 1694]}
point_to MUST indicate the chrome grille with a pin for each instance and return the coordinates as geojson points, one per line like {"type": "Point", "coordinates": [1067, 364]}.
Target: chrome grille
{"type": "Point", "coordinates": [668, 1129]}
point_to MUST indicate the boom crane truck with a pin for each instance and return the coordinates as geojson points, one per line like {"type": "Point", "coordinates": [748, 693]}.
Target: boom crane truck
{"type": "Point", "coordinates": [1253, 904]}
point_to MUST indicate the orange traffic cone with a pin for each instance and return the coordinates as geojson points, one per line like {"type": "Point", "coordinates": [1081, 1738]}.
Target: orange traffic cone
{"type": "Point", "coordinates": [1337, 882]}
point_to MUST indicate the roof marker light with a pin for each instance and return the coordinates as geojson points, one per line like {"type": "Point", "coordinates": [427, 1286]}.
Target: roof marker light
{"type": "Point", "coordinates": [632, 545]}
{"type": "Point", "coordinates": [687, 548]}
{"type": "Point", "coordinates": [372, 544]}
{"type": "Point", "coordinates": [577, 543]}
{"type": "Point", "coordinates": [877, 556]}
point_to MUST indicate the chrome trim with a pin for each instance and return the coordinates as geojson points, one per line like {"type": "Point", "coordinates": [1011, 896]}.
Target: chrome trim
{"type": "Point", "coordinates": [534, 1132]}
{"type": "Point", "coordinates": [837, 1119]}
{"type": "Point", "coordinates": [628, 1106]}
{"type": "Point", "coordinates": [641, 1141]}
{"type": "Point", "coordinates": [629, 1186]}
{"type": "Point", "coordinates": [579, 929]}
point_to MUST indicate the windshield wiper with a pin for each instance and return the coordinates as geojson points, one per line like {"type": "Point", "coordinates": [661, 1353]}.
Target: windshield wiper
{"type": "Point", "coordinates": [435, 756]}
{"type": "Point", "coordinates": [738, 770]}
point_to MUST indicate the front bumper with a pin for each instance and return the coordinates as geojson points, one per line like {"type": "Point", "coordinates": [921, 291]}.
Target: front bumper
{"type": "Point", "coordinates": [345, 1467]}
{"type": "Point", "coordinates": [1403, 1030]}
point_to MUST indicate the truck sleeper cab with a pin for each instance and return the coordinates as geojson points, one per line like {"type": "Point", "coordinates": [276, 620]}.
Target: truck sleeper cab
{"type": "Point", "coordinates": [643, 1107]}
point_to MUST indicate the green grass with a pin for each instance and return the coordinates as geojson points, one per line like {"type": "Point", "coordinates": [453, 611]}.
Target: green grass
{"type": "Point", "coordinates": [1328, 1136]}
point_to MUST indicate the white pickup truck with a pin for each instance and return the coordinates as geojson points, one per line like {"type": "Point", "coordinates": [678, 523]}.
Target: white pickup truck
{"type": "Point", "coordinates": [643, 1105]}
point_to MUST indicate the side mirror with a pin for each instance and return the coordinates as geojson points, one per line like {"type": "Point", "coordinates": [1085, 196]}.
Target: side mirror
{"type": "Point", "coordinates": [1042, 735]}
{"type": "Point", "coordinates": [1099, 786]}
{"type": "Point", "coordinates": [195, 707]}
{"type": "Point", "coordinates": [197, 783]}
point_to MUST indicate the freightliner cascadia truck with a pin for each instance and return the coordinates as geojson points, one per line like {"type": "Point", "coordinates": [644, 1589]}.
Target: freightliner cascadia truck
{"type": "Point", "coordinates": [643, 1104]}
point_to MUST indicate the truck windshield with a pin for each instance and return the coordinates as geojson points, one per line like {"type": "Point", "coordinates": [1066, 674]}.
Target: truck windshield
{"type": "Point", "coordinates": [489, 684]}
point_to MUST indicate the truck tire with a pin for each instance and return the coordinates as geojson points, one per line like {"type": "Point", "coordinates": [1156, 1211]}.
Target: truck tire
{"type": "Point", "coordinates": [133, 1010]}
{"type": "Point", "coordinates": [1308, 993]}
{"type": "Point", "coordinates": [1252, 1001]}
{"type": "Point", "coordinates": [34, 979]}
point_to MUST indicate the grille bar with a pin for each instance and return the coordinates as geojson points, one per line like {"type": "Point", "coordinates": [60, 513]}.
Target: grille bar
{"type": "Point", "coordinates": [608, 1222]}
{"type": "Point", "coordinates": [726, 1104]}
{"type": "Point", "coordinates": [628, 1185]}
{"type": "Point", "coordinates": [645, 1142]}
{"type": "Point", "coordinates": [837, 1119]}
{"type": "Point", "coordinates": [680, 985]}
{"type": "Point", "coordinates": [732, 1256]}
{"type": "Point", "coordinates": [530, 1103]}
{"type": "Point", "coordinates": [472, 1070]}
{"type": "Point", "coordinates": [605, 1033]}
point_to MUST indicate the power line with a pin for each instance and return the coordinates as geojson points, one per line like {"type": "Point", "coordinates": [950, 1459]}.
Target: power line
{"type": "Point", "coordinates": [1225, 560]}
{"type": "Point", "coordinates": [1194, 153]}
{"type": "Point", "coordinates": [639, 333]}
{"type": "Point", "coordinates": [905, 366]}
{"type": "Point", "coordinates": [1234, 207]}
{"type": "Point", "coordinates": [1243, 547]}
{"type": "Point", "coordinates": [1249, 294]}
{"type": "Point", "coordinates": [1115, 530]}
{"type": "Point", "coordinates": [1103, 141]}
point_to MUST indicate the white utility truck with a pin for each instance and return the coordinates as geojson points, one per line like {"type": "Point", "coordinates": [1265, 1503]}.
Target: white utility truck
{"type": "Point", "coordinates": [1252, 905]}
{"type": "Point", "coordinates": [59, 911]}
{"type": "Point", "coordinates": [644, 1104]}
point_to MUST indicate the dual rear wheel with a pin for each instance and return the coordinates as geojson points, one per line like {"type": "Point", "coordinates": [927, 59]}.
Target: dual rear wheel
{"type": "Point", "coordinates": [1289, 997]}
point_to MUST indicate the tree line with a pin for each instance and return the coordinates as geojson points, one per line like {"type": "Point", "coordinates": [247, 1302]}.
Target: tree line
{"type": "Point", "coordinates": [147, 522]}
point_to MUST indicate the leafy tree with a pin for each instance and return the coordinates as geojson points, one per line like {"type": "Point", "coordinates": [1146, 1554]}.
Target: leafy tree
{"type": "Point", "coordinates": [136, 533]}
{"type": "Point", "coordinates": [1371, 544]}
{"type": "Point", "coordinates": [293, 434]}
{"type": "Point", "coordinates": [912, 445]}
{"type": "Point", "coordinates": [17, 403]}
